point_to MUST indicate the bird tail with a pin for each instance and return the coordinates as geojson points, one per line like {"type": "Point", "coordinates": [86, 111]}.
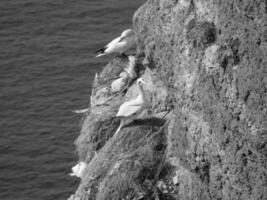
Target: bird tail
{"type": "Point", "coordinates": [118, 130]}
{"type": "Point", "coordinates": [99, 55]}
{"type": "Point", "coordinates": [71, 174]}
{"type": "Point", "coordinates": [122, 123]}
{"type": "Point", "coordinates": [101, 51]}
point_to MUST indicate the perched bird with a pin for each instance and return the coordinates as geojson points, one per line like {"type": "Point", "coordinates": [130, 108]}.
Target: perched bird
{"type": "Point", "coordinates": [120, 44]}
{"type": "Point", "coordinates": [128, 73]}
{"type": "Point", "coordinates": [78, 169]}
{"type": "Point", "coordinates": [132, 109]}
{"type": "Point", "coordinates": [118, 84]}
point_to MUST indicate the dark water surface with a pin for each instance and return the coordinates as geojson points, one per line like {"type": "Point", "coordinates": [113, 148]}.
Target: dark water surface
{"type": "Point", "coordinates": [46, 70]}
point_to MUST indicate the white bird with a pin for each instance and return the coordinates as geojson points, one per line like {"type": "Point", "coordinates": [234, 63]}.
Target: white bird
{"type": "Point", "coordinates": [128, 73]}
{"type": "Point", "coordinates": [81, 111]}
{"type": "Point", "coordinates": [120, 44]}
{"type": "Point", "coordinates": [78, 169]}
{"type": "Point", "coordinates": [119, 83]}
{"type": "Point", "coordinates": [132, 109]}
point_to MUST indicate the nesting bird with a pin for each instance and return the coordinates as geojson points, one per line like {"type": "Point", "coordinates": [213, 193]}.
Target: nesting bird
{"type": "Point", "coordinates": [118, 84]}
{"type": "Point", "coordinates": [121, 44]}
{"type": "Point", "coordinates": [132, 109]}
{"type": "Point", "coordinates": [78, 169]}
{"type": "Point", "coordinates": [128, 73]}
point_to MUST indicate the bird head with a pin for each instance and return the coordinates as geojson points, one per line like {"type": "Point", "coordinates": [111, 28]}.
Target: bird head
{"type": "Point", "coordinates": [140, 81]}
{"type": "Point", "coordinates": [126, 34]}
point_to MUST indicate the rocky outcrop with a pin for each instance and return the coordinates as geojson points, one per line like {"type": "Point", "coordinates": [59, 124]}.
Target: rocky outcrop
{"type": "Point", "coordinates": [203, 135]}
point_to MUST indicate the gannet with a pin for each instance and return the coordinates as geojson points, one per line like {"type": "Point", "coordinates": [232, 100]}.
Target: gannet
{"type": "Point", "coordinates": [128, 73]}
{"type": "Point", "coordinates": [78, 169]}
{"type": "Point", "coordinates": [120, 44]}
{"type": "Point", "coordinates": [131, 109]}
{"type": "Point", "coordinates": [118, 84]}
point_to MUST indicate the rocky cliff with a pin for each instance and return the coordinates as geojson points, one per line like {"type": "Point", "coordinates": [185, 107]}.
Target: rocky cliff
{"type": "Point", "coordinates": [203, 135]}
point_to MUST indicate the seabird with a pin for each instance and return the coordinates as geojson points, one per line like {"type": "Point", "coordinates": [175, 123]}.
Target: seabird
{"type": "Point", "coordinates": [119, 83]}
{"type": "Point", "coordinates": [120, 44]}
{"type": "Point", "coordinates": [78, 169]}
{"type": "Point", "coordinates": [132, 109]}
{"type": "Point", "coordinates": [128, 73]}
{"type": "Point", "coordinates": [81, 111]}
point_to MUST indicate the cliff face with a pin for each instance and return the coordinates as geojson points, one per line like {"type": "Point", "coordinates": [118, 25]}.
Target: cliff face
{"type": "Point", "coordinates": [203, 135]}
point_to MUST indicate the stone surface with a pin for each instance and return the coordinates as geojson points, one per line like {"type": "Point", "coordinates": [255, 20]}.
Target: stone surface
{"type": "Point", "coordinates": [205, 130]}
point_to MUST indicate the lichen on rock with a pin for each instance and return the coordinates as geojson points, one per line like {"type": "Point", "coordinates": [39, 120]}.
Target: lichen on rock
{"type": "Point", "coordinates": [203, 135]}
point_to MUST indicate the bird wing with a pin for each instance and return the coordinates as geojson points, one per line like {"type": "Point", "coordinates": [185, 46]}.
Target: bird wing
{"type": "Point", "coordinates": [113, 45]}
{"type": "Point", "coordinates": [118, 45]}
{"type": "Point", "coordinates": [108, 48]}
{"type": "Point", "coordinates": [127, 109]}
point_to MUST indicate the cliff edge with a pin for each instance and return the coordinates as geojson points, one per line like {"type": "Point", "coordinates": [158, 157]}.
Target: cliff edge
{"type": "Point", "coordinates": [203, 135]}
